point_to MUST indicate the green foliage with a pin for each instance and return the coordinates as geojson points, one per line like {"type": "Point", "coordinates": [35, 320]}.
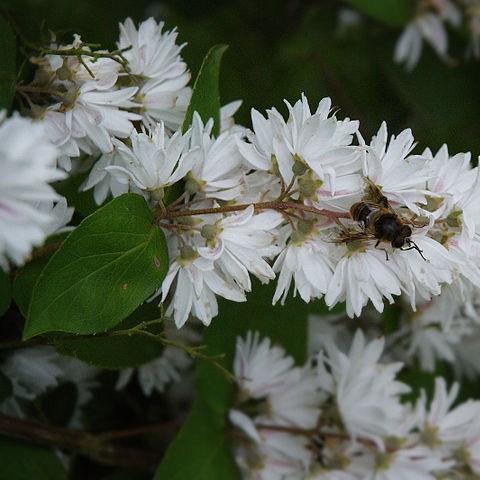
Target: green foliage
{"type": "Point", "coordinates": [104, 270]}
{"type": "Point", "coordinates": [209, 456]}
{"type": "Point", "coordinates": [7, 64]}
{"type": "Point", "coordinates": [206, 95]}
{"type": "Point", "coordinates": [27, 276]}
{"type": "Point", "coordinates": [5, 292]}
{"type": "Point", "coordinates": [115, 352]}
{"type": "Point", "coordinates": [391, 12]}
{"type": "Point", "coordinates": [21, 461]}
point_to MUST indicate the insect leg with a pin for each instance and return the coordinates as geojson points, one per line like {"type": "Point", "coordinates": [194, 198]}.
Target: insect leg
{"type": "Point", "coordinates": [384, 249]}
{"type": "Point", "coordinates": [414, 246]}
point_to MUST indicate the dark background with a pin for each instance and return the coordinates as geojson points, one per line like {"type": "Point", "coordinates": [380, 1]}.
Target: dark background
{"type": "Point", "coordinates": [279, 49]}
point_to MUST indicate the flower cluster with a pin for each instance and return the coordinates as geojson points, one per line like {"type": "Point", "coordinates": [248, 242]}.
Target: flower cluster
{"type": "Point", "coordinates": [302, 198]}
{"type": "Point", "coordinates": [430, 25]}
{"type": "Point", "coordinates": [341, 417]}
{"type": "Point", "coordinates": [287, 191]}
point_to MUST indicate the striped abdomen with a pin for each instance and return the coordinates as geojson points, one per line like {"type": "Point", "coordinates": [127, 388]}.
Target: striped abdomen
{"type": "Point", "coordinates": [361, 212]}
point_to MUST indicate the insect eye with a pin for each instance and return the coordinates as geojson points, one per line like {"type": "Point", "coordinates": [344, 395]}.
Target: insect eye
{"type": "Point", "coordinates": [406, 231]}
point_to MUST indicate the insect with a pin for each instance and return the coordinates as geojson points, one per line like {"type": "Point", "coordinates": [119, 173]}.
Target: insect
{"type": "Point", "coordinates": [379, 221]}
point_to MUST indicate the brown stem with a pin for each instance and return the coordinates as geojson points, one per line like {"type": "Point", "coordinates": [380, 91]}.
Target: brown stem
{"type": "Point", "coordinates": [139, 431]}
{"type": "Point", "coordinates": [88, 444]}
{"type": "Point", "coordinates": [35, 89]}
{"type": "Point", "coordinates": [293, 430]}
{"type": "Point", "coordinates": [275, 205]}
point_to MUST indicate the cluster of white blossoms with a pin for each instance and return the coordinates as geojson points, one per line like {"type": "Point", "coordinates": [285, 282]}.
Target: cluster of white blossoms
{"type": "Point", "coordinates": [430, 25]}
{"type": "Point", "coordinates": [280, 206]}
{"type": "Point", "coordinates": [340, 417]}
{"type": "Point", "coordinates": [301, 198]}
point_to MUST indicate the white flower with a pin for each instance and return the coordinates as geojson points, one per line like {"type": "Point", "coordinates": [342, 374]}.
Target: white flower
{"type": "Point", "coordinates": [155, 59]}
{"type": "Point", "coordinates": [264, 372]}
{"type": "Point", "coordinates": [27, 167]}
{"type": "Point", "coordinates": [239, 244]}
{"type": "Point", "coordinates": [414, 462]}
{"type": "Point", "coordinates": [61, 214]}
{"type": "Point", "coordinates": [444, 426]}
{"type": "Point", "coordinates": [260, 367]}
{"type": "Point", "coordinates": [434, 331]}
{"type": "Point", "coordinates": [366, 392]}
{"type": "Point", "coordinates": [227, 122]}
{"type": "Point", "coordinates": [217, 169]}
{"type": "Point", "coordinates": [273, 456]}
{"type": "Point", "coordinates": [314, 141]}
{"type": "Point", "coordinates": [104, 182]}
{"type": "Point", "coordinates": [402, 176]}
{"type": "Point", "coordinates": [361, 276]}
{"type": "Point", "coordinates": [154, 160]}
{"type": "Point", "coordinates": [32, 371]}
{"type": "Point", "coordinates": [473, 449]}
{"type": "Point", "coordinates": [157, 374]}
{"type": "Point", "coordinates": [93, 112]}
{"type": "Point", "coordinates": [428, 26]}
{"type": "Point", "coordinates": [423, 277]}
{"type": "Point", "coordinates": [305, 260]}
{"type": "Point", "coordinates": [196, 285]}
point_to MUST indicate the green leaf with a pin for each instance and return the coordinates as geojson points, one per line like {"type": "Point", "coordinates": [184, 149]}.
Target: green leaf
{"type": "Point", "coordinates": [209, 456]}
{"type": "Point", "coordinates": [21, 461]}
{"type": "Point", "coordinates": [5, 292]}
{"type": "Point", "coordinates": [392, 12]}
{"type": "Point", "coordinates": [285, 325]}
{"type": "Point", "coordinates": [8, 64]}
{"type": "Point", "coordinates": [206, 95]}
{"type": "Point", "coordinates": [115, 352]}
{"type": "Point", "coordinates": [26, 278]}
{"type": "Point", "coordinates": [107, 267]}
{"type": "Point", "coordinates": [6, 387]}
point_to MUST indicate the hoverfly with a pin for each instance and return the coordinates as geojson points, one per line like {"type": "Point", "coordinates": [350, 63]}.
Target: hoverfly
{"type": "Point", "coordinates": [379, 221]}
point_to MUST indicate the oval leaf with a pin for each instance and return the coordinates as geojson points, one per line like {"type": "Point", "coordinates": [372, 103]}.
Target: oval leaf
{"type": "Point", "coordinates": [115, 352]}
{"type": "Point", "coordinates": [209, 455]}
{"type": "Point", "coordinates": [206, 95]}
{"type": "Point", "coordinates": [107, 267]}
{"type": "Point", "coordinates": [27, 277]}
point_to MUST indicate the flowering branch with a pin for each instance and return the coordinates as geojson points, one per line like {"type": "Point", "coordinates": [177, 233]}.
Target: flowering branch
{"type": "Point", "coordinates": [274, 205]}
